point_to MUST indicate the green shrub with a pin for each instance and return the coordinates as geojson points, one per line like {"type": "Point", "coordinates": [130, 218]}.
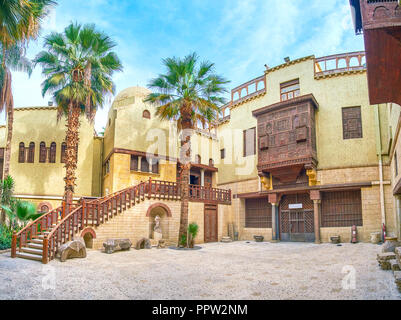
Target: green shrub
{"type": "Point", "coordinates": [5, 237]}
{"type": "Point", "coordinates": [183, 240]}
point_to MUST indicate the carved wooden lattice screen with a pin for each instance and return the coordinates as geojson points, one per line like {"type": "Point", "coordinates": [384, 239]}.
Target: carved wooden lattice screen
{"type": "Point", "coordinates": [352, 123]}
{"type": "Point", "coordinates": [341, 209]}
{"type": "Point", "coordinates": [258, 213]}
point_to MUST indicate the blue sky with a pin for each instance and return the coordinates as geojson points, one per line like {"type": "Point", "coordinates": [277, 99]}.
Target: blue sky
{"type": "Point", "coordinates": [239, 36]}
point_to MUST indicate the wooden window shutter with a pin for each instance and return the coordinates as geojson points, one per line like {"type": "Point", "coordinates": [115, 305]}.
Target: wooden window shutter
{"type": "Point", "coordinates": [144, 165]}
{"type": "Point", "coordinates": [352, 123]}
{"type": "Point", "coordinates": [52, 153]}
{"type": "Point", "coordinates": [155, 165]}
{"type": "Point", "coordinates": [42, 152]}
{"type": "Point", "coordinates": [249, 142]}
{"type": "Point", "coordinates": [31, 152]}
{"type": "Point", "coordinates": [21, 153]}
{"type": "Point", "coordinates": [63, 152]}
{"type": "Point", "coordinates": [134, 163]}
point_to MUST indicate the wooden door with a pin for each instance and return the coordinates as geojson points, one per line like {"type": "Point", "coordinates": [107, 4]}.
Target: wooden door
{"type": "Point", "coordinates": [210, 223]}
{"type": "Point", "coordinates": [296, 218]}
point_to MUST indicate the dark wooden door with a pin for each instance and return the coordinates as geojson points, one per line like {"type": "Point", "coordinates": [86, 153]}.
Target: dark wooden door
{"type": "Point", "coordinates": [211, 223]}
{"type": "Point", "coordinates": [296, 224]}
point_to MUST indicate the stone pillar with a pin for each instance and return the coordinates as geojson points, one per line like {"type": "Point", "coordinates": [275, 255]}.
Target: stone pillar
{"type": "Point", "coordinates": [150, 165]}
{"type": "Point", "coordinates": [398, 214]}
{"type": "Point", "coordinates": [202, 177]}
{"type": "Point", "coordinates": [315, 196]}
{"type": "Point", "coordinates": [274, 222]}
{"type": "Point", "coordinates": [273, 199]}
{"type": "Point", "coordinates": [139, 163]}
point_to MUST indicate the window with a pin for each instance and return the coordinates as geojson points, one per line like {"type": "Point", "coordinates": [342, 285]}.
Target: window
{"type": "Point", "coordinates": [144, 165]}
{"type": "Point", "coordinates": [146, 114]}
{"type": "Point", "coordinates": [52, 153]}
{"type": "Point", "coordinates": [396, 164]}
{"type": "Point", "coordinates": [134, 163]}
{"type": "Point", "coordinates": [198, 159]}
{"type": "Point", "coordinates": [42, 152]}
{"type": "Point", "coordinates": [107, 167]}
{"type": "Point", "coordinates": [222, 153]}
{"type": "Point", "coordinates": [249, 142]}
{"type": "Point", "coordinates": [258, 213]}
{"type": "Point", "coordinates": [289, 90]}
{"type": "Point", "coordinates": [21, 153]}
{"type": "Point", "coordinates": [31, 153]}
{"type": "Point", "coordinates": [211, 163]}
{"type": "Point", "coordinates": [155, 165]}
{"type": "Point", "coordinates": [63, 152]}
{"type": "Point", "coordinates": [352, 123]}
{"type": "Point", "coordinates": [341, 209]}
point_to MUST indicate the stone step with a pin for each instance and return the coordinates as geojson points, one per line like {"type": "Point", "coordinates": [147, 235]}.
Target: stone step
{"type": "Point", "coordinates": [38, 241]}
{"type": "Point", "coordinates": [384, 260]}
{"type": "Point", "coordinates": [226, 239]}
{"type": "Point", "coordinates": [397, 276]}
{"type": "Point", "coordinates": [38, 252]}
{"type": "Point", "coordinates": [394, 265]}
{"type": "Point", "coordinates": [35, 245]}
{"type": "Point", "coordinates": [397, 252]}
{"type": "Point", "coordinates": [29, 256]}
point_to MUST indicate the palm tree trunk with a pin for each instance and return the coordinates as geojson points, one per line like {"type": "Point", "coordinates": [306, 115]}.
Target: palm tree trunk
{"type": "Point", "coordinates": [72, 139]}
{"type": "Point", "coordinates": [185, 159]}
{"type": "Point", "coordinates": [9, 102]}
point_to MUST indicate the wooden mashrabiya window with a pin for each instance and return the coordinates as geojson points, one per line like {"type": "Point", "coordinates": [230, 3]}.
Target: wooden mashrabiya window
{"type": "Point", "coordinates": [341, 209]}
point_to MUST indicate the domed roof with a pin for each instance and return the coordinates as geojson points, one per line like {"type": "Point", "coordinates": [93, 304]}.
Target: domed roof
{"type": "Point", "coordinates": [132, 92]}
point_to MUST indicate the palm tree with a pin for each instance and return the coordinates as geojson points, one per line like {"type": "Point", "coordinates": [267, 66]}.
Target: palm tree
{"type": "Point", "coordinates": [187, 94]}
{"type": "Point", "coordinates": [78, 65]}
{"type": "Point", "coordinates": [19, 22]}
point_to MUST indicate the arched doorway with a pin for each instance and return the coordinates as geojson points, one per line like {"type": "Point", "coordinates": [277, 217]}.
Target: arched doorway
{"type": "Point", "coordinates": [164, 212]}
{"type": "Point", "coordinates": [88, 235]}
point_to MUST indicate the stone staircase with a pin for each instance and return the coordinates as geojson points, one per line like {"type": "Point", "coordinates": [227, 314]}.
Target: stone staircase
{"type": "Point", "coordinates": [41, 239]}
{"type": "Point", "coordinates": [392, 261]}
{"type": "Point", "coordinates": [33, 249]}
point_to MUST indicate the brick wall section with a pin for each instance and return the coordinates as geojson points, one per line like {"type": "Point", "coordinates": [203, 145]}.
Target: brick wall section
{"type": "Point", "coordinates": [135, 225]}
{"type": "Point", "coordinates": [371, 213]}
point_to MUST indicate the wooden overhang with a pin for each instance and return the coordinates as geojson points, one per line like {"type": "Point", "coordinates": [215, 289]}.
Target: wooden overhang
{"type": "Point", "coordinates": [286, 138]}
{"type": "Point", "coordinates": [327, 187]}
{"type": "Point", "coordinates": [380, 22]}
{"type": "Point", "coordinates": [204, 166]}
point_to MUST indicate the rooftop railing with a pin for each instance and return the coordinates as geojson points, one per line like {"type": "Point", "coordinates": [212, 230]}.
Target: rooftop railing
{"type": "Point", "coordinates": [340, 63]}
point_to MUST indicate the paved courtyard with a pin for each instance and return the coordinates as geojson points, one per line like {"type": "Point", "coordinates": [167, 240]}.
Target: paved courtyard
{"type": "Point", "coordinates": [237, 270]}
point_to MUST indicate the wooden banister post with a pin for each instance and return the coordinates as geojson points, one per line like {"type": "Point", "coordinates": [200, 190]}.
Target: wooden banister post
{"type": "Point", "coordinates": [150, 189]}
{"type": "Point", "coordinates": [45, 250]}
{"type": "Point", "coordinates": [14, 246]}
{"type": "Point", "coordinates": [83, 215]}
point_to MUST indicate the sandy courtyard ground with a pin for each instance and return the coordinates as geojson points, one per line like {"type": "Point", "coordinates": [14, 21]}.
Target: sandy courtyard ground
{"type": "Point", "coordinates": [237, 270]}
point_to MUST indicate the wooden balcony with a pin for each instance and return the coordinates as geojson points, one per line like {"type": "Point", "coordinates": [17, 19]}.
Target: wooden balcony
{"type": "Point", "coordinates": [380, 22]}
{"type": "Point", "coordinates": [209, 195]}
{"type": "Point", "coordinates": [340, 64]}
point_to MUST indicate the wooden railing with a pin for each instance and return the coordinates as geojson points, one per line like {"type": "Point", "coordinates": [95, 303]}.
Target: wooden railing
{"type": "Point", "coordinates": [35, 228]}
{"type": "Point", "coordinates": [99, 211]}
{"type": "Point", "coordinates": [340, 63]}
{"type": "Point", "coordinates": [211, 195]}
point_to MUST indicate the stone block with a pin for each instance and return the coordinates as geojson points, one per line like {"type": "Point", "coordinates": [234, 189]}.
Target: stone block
{"type": "Point", "coordinates": [143, 243]}
{"type": "Point", "coordinates": [384, 260]}
{"type": "Point", "coordinates": [397, 276]}
{"type": "Point", "coordinates": [112, 245]}
{"type": "Point", "coordinates": [390, 245]}
{"type": "Point", "coordinates": [72, 249]}
{"type": "Point", "coordinates": [394, 265]}
{"type": "Point", "coordinates": [397, 252]}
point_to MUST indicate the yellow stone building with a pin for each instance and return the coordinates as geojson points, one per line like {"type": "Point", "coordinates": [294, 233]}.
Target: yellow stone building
{"type": "Point", "coordinates": [305, 155]}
